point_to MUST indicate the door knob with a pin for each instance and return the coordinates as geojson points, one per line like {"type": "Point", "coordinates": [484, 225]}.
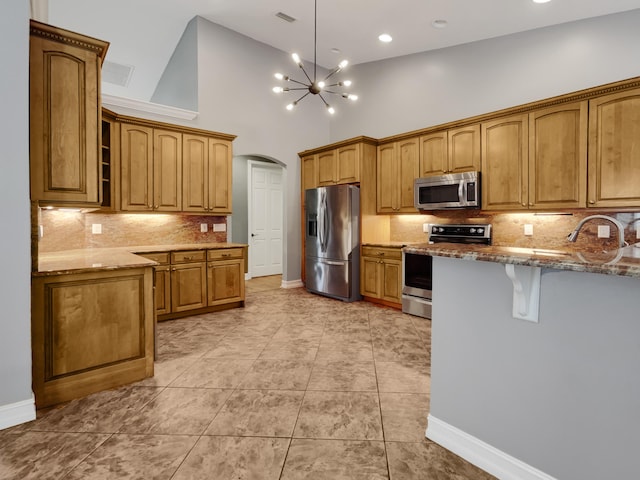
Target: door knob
{"type": "Point", "coordinates": [253, 234]}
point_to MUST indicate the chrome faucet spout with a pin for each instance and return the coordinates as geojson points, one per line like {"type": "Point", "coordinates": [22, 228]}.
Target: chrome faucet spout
{"type": "Point", "coordinates": [573, 236]}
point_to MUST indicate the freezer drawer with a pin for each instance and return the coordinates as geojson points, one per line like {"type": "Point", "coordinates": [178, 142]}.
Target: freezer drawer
{"type": "Point", "coordinates": [331, 278]}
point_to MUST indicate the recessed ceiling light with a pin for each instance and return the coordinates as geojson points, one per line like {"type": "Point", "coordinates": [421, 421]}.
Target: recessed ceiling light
{"type": "Point", "coordinates": [439, 23]}
{"type": "Point", "coordinates": [335, 50]}
{"type": "Point", "coordinates": [385, 37]}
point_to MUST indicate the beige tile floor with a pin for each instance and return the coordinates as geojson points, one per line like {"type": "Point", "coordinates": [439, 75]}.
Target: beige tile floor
{"type": "Point", "coordinates": [293, 386]}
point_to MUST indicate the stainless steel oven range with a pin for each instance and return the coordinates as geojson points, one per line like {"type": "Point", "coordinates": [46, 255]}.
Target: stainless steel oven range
{"type": "Point", "coordinates": [417, 271]}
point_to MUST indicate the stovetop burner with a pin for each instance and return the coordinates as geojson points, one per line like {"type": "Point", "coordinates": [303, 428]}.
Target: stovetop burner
{"type": "Point", "coordinates": [465, 233]}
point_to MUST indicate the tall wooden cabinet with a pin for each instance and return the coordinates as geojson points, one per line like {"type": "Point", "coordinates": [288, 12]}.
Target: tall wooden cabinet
{"type": "Point", "coordinates": [64, 116]}
{"type": "Point", "coordinates": [614, 150]}
{"type": "Point", "coordinates": [398, 165]}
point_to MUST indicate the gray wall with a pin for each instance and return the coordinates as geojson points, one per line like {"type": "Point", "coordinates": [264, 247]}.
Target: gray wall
{"type": "Point", "coordinates": [181, 73]}
{"type": "Point", "coordinates": [561, 395]}
{"type": "Point", "coordinates": [235, 78]}
{"type": "Point", "coordinates": [15, 319]}
{"type": "Point", "coordinates": [421, 90]}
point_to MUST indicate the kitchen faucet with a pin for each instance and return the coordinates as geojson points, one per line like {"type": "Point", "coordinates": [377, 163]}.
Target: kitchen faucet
{"type": "Point", "coordinates": [573, 236]}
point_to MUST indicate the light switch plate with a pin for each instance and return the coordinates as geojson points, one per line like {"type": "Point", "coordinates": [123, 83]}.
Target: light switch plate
{"type": "Point", "coordinates": [604, 231]}
{"type": "Point", "coordinates": [219, 227]}
{"type": "Point", "coordinates": [528, 229]}
{"type": "Point", "coordinates": [204, 228]}
{"type": "Point", "coordinates": [96, 228]}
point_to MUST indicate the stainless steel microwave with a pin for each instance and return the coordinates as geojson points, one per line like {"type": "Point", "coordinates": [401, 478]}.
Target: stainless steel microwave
{"type": "Point", "coordinates": [455, 190]}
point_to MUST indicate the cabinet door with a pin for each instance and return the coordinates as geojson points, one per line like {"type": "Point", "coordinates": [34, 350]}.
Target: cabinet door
{"type": "Point", "coordinates": [348, 164]}
{"type": "Point", "coordinates": [167, 171]}
{"type": "Point", "coordinates": [558, 157]}
{"type": "Point", "coordinates": [225, 282]}
{"type": "Point", "coordinates": [136, 167]}
{"type": "Point", "coordinates": [327, 168]}
{"type": "Point", "coordinates": [464, 149]}
{"type": "Point", "coordinates": [188, 286]}
{"type": "Point", "coordinates": [408, 169]}
{"type": "Point", "coordinates": [386, 190]}
{"type": "Point", "coordinates": [505, 163]}
{"type": "Point", "coordinates": [220, 162]}
{"type": "Point", "coordinates": [162, 292]}
{"type": "Point", "coordinates": [64, 116]}
{"type": "Point", "coordinates": [614, 150]}
{"type": "Point", "coordinates": [195, 178]}
{"type": "Point", "coordinates": [433, 154]}
{"type": "Point", "coordinates": [309, 173]}
{"type": "Point", "coordinates": [392, 281]}
{"type": "Point", "coordinates": [370, 277]}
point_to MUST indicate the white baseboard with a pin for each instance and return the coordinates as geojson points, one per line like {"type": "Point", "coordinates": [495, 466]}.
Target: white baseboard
{"type": "Point", "coordinates": [17, 413]}
{"type": "Point", "coordinates": [481, 454]}
{"type": "Point", "coordinates": [292, 284]}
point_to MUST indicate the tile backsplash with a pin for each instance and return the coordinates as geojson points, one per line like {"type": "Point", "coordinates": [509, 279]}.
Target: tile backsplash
{"type": "Point", "coordinates": [67, 230]}
{"type": "Point", "coordinates": [549, 230]}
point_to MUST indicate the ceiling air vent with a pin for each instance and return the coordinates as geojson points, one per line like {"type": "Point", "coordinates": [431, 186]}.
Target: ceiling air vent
{"type": "Point", "coordinates": [116, 73]}
{"type": "Point", "coordinates": [285, 17]}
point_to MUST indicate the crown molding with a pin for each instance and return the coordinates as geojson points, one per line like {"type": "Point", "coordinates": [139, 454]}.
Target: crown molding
{"type": "Point", "coordinates": [113, 102]}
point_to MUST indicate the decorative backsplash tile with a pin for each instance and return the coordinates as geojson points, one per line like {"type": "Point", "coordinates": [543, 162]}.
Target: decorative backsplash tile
{"type": "Point", "coordinates": [65, 230]}
{"type": "Point", "coordinates": [549, 230]}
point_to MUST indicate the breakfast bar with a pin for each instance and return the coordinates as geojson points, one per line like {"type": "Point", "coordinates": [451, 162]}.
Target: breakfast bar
{"type": "Point", "coordinates": [506, 392]}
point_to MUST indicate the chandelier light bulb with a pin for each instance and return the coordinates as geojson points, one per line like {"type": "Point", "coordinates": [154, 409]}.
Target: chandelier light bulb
{"type": "Point", "coordinates": [278, 89]}
{"type": "Point", "coordinates": [321, 84]}
{"type": "Point", "coordinates": [346, 83]}
{"type": "Point", "coordinates": [296, 58]}
{"type": "Point", "coordinates": [330, 109]}
{"type": "Point", "coordinates": [279, 76]}
{"type": "Point", "coordinates": [290, 106]}
{"type": "Point", "coordinates": [352, 97]}
{"type": "Point", "coordinates": [343, 63]}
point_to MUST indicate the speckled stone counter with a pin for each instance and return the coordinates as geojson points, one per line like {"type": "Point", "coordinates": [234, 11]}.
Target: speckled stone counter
{"type": "Point", "coordinates": [622, 262]}
{"type": "Point", "coordinates": [89, 259]}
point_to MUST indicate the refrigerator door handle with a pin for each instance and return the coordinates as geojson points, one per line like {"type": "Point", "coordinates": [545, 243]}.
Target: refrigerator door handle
{"type": "Point", "coordinates": [322, 221]}
{"type": "Point", "coordinates": [331, 262]}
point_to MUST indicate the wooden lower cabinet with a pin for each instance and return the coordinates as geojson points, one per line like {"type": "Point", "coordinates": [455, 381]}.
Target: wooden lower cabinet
{"type": "Point", "coordinates": [90, 332]}
{"type": "Point", "coordinates": [188, 280]}
{"type": "Point", "coordinates": [381, 275]}
{"type": "Point", "coordinates": [198, 281]}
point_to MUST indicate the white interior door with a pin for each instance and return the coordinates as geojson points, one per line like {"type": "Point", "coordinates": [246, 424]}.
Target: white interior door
{"type": "Point", "coordinates": [266, 219]}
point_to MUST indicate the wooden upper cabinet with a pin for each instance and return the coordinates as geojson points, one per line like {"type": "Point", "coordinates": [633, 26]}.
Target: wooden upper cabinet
{"type": "Point", "coordinates": [505, 163]}
{"type": "Point", "coordinates": [327, 168]}
{"type": "Point", "coordinates": [397, 168]}
{"type": "Point", "coordinates": [206, 171]}
{"type": "Point", "coordinates": [348, 164]}
{"type": "Point", "coordinates": [167, 171]}
{"type": "Point", "coordinates": [220, 172]}
{"type": "Point", "coordinates": [614, 150]}
{"type": "Point", "coordinates": [558, 156]}
{"type": "Point", "coordinates": [195, 168]}
{"type": "Point", "coordinates": [309, 171]}
{"type": "Point", "coordinates": [136, 167]}
{"type": "Point", "coordinates": [451, 151]}
{"type": "Point", "coordinates": [64, 116]}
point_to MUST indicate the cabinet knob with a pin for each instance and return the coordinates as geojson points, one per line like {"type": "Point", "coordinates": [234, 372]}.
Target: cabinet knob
{"type": "Point", "coordinates": [155, 207]}
{"type": "Point", "coordinates": [173, 269]}
{"type": "Point", "coordinates": [592, 202]}
{"type": "Point", "coordinates": [524, 204]}
{"type": "Point", "coordinates": [531, 204]}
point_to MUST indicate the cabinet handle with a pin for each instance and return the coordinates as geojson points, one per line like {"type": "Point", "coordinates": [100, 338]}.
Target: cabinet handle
{"type": "Point", "coordinates": [187, 258]}
{"type": "Point", "coordinates": [226, 254]}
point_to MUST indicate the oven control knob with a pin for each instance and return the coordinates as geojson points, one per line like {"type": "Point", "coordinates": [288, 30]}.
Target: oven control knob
{"type": "Point", "coordinates": [441, 229]}
{"type": "Point", "coordinates": [481, 231]}
{"type": "Point", "coordinates": [473, 230]}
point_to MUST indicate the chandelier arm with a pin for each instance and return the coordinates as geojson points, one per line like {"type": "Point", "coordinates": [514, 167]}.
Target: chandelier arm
{"type": "Point", "coordinates": [297, 88]}
{"type": "Point", "coordinates": [325, 102]}
{"type": "Point", "coordinates": [332, 72]}
{"type": "Point", "coordinates": [297, 101]}
{"type": "Point", "coordinates": [305, 72]}
{"type": "Point", "coordinates": [296, 81]}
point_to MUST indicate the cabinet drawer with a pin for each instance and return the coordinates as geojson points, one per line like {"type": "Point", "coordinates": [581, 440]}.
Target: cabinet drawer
{"type": "Point", "coordinates": [161, 258]}
{"type": "Point", "coordinates": [392, 253]}
{"type": "Point", "coordinates": [224, 254]}
{"type": "Point", "coordinates": [188, 256]}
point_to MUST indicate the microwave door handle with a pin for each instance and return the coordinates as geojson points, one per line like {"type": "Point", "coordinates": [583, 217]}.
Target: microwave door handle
{"type": "Point", "coordinates": [462, 194]}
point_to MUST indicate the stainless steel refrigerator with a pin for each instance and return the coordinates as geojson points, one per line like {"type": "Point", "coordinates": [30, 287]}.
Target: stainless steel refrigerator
{"type": "Point", "coordinates": [332, 241]}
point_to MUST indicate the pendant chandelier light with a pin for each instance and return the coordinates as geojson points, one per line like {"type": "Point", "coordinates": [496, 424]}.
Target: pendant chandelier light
{"type": "Point", "coordinates": [315, 87]}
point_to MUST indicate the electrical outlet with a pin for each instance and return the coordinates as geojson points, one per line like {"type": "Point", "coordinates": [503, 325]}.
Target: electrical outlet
{"type": "Point", "coordinates": [638, 233]}
{"type": "Point", "coordinates": [204, 228]}
{"type": "Point", "coordinates": [528, 229]}
{"type": "Point", "coordinates": [96, 228]}
{"type": "Point", "coordinates": [604, 231]}
{"type": "Point", "coordinates": [219, 227]}
{"type": "Point", "coordinates": [425, 228]}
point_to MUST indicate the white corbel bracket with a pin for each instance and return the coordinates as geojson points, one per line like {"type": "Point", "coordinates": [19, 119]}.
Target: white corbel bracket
{"type": "Point", "coordinates": [526, 291]}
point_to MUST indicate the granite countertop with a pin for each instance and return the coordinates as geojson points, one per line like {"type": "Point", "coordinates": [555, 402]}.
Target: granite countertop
{"type": "Point", "coordinates": [624, 261]}
{"type": "Point", "coordinates": [90, 259]}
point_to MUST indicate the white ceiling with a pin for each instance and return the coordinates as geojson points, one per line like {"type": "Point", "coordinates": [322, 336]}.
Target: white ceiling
{"type": "Point", "coordinates": [144, 33]}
